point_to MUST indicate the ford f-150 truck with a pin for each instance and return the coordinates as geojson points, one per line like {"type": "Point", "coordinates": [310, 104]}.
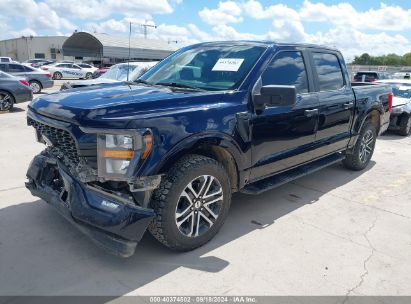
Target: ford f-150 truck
{"type": "Point", "coordinates": [167, 151]}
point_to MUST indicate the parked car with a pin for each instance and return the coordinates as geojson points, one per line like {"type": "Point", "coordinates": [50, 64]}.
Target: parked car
{"type": "Point", "coordinates": [13, 90]}
{"type": "Point", "coordinates": [367, 76]}
{"type": "Point", "coordinates": [400, 120]}
{"type": "Point", "coordinates": [37, 79]}
{"type": "Point", "coordinates": [88, 67]}
{"type": "Point", "coordinates": [67, 70]}
{"type": "Point", "coordinates": [36, 63]}
{"type": "Point", "coordinates": [6, 59]}
{"type": "Point", "coordinates": [116, 74]}
{"type": "Point", "coordinates": [211, 119]}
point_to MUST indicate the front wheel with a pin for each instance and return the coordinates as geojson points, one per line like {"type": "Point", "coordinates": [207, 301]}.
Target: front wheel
{"type": "Point", "coordinates": [89, 75]}
{"type": "Point", "coordinates": [363, 150]}
{"type": "Point", "coordinates": [191, 203]}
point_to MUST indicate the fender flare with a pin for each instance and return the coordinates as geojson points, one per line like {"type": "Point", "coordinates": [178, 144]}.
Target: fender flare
{"type": "Point", "coordinates": [195, 141]}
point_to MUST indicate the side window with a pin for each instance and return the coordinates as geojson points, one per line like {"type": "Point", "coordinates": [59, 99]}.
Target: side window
{"type": "Point", "coordinates": [287, 68]}
{"type": "Point", "coordinates": [16, 68]}
{"type": "Point", "coordinates": [27, 69]}
{"type": "Point", "coordinates": [4, 60]}
{"type": "Point", "coordinates": [2, 67]}
{"type": "Point", "coordinates": [330, 75]}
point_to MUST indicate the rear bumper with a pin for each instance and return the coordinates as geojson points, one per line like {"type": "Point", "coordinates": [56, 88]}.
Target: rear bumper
{"type": "Point", "coordinates": [109, 221]}
{"type": "Point", "coordinates": [23, 95]}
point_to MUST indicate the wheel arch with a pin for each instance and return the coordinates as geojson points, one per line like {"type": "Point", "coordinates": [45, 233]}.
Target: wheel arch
{"type": "Point", "coordinates": [216, 146]}
{"type": "Point", "coordinates": [7, 91]}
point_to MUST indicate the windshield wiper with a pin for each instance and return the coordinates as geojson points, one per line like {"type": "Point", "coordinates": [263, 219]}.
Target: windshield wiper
{"type": "Point", "coordinates": [179, 85]}
{"type": "Point", "coordinates": [141, 81]}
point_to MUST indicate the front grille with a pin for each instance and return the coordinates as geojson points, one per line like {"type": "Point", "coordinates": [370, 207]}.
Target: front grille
{"type": "Point", "coordinates": [60, 138]}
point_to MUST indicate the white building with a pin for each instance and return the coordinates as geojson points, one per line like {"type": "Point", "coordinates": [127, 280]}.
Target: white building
{"type": "Point", "coordinates": [24, 48]}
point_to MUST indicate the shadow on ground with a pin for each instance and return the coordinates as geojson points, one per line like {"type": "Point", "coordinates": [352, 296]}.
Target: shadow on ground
{"type": "Point", "coordinates": [42, 254]}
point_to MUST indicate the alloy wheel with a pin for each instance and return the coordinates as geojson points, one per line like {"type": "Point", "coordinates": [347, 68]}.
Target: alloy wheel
{"type": "Point", "coordinates": [367, 146]}
{"type": "Point", "coordinates": [5, 102]}
{"type": "Point", "coordinates": [35, 87]}
{"type": "Point", "coordinates": [199, 206]}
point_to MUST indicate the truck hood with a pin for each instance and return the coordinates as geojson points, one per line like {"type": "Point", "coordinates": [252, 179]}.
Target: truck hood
{"type": "Point", "coordinates": [119, 103]}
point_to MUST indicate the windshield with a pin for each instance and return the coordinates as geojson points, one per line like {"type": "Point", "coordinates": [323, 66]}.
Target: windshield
{"type": "Point", "coordinates": [213, 67]}
{"type": "Point", "coordinates": [118, 72]}
{"type": "Point", "coordinates": [399, 90]}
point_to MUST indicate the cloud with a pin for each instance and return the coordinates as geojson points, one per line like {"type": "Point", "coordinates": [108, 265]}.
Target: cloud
{"type": "Point", "coordinates": [226, 12]}
{"type": "Point", "coordinates": [101, 9]}
{"type": "Point", "coordinates": [385, 18]}
{"type": "Point", "coordinates": [37, 15]}
{"type": "Point", "coordinates": [377, 30]}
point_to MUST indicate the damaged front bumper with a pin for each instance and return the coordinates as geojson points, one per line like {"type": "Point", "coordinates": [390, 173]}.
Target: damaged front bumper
{"type": "Point", "coordinates": [111, 222]}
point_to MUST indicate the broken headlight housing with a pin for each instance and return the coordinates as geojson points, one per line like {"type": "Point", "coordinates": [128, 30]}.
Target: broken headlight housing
{"type": "Point", "coordinates": [117, 151]}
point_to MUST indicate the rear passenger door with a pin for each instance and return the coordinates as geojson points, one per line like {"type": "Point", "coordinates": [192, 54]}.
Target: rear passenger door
{"type": "Point", "coordinates": [17, 70]}
{"type": "Point", "coordinates": [337, 101]}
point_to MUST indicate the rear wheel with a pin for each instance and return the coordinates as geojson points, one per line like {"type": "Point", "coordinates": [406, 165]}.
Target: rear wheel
{"type": "Point", "coordinates": [35, 86]}
{"type": "Point", "coordinates": [6, 101]}
{"type": "Point", "coordinates": [405, 125]}
{"type": "Point", "coordinates": [89, 75]}
{"type": "Point", "coordinates": [363, 150]}
{"type": "Point", "coordinates": [57, 75]}
{"type": "Point", "coordinates": [191, 203]}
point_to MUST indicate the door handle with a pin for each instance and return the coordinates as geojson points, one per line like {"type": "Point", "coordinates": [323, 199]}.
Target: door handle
{"type": "Point", "coordinates": [348, 105]}
{"type": "Point", "coordinates": [310, 113]}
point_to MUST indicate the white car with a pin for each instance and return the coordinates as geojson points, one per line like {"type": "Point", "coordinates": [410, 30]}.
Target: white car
{"type": "Point", "coordinates": [67, 70]}
{"type": "Point", "coordinates": [6, 59]}
{"type": "Point", "coordinates": [400, 119]}
{"type": "Point", "coordinates": [117, 73]}
{"type": "Point", "coordinates": [87, 67]}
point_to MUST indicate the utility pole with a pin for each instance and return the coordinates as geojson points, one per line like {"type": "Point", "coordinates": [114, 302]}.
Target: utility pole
{"type": "Point", "coordinates": [145, 26]}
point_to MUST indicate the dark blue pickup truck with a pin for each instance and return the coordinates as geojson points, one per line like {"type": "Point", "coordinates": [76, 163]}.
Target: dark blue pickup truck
{"type": "Point", "coordinates": [167, 151]}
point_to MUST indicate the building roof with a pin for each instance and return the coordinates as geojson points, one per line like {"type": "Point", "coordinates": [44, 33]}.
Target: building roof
{"type": "Point", "coordinates": [83, 44]}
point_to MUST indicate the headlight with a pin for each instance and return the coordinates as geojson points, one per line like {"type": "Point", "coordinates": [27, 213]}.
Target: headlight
{"type": "Point", "coordinates": [115, 152]}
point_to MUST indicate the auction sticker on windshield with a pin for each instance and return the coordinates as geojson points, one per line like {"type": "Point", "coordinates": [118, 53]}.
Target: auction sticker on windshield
{"type": "Point", "coordinates": [228, 64]}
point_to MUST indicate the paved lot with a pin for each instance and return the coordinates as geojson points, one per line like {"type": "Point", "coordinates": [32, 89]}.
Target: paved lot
{"type": "Point", "coordinates": [335, 232]}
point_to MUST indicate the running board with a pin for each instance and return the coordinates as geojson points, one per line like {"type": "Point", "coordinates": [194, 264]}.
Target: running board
{"type": "Point", "coordinates": [288, 176]}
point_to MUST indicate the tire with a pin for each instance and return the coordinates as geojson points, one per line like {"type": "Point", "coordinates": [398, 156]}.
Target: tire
{"type": "Point", "coordinates": [89, 75]}
{"type": "Point", "coordinates": [35, 86]}
{"type": "Point", "coordinates": [6, 101]}
{"type": "Point", "coordinates": [405, 125]}
{"type": "Point", "coordinates": [180, 222]}
{"type": "Point", "coordinates": [363, 150]}
{"type": "Point", "coordinates": [57, 76]}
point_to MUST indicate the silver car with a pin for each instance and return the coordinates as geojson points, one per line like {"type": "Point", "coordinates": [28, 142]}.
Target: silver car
{"type": "Point", "coordinates": [13, 90]}
{"type": "Point", "coordinates": [37, 79]}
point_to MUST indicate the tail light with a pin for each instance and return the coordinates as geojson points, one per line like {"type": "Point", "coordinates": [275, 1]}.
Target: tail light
{"type": "Point", "coordinates": [390, 99]}
{"type": "Point", "coordinates": [24, 82]}
{"type": "Point", "coordinates": [44, 68]}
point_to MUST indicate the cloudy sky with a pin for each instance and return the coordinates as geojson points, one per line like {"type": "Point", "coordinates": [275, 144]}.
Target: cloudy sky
{"type": "Point", "coordinates": [353, 26]}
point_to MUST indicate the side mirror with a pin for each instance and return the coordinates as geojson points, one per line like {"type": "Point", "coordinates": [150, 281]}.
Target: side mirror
{"type": "Point", "coordinates": [275, 95]}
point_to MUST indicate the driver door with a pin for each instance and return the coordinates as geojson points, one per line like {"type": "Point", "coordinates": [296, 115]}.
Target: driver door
{"type": "Point", "coordinates": [283, 136]}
